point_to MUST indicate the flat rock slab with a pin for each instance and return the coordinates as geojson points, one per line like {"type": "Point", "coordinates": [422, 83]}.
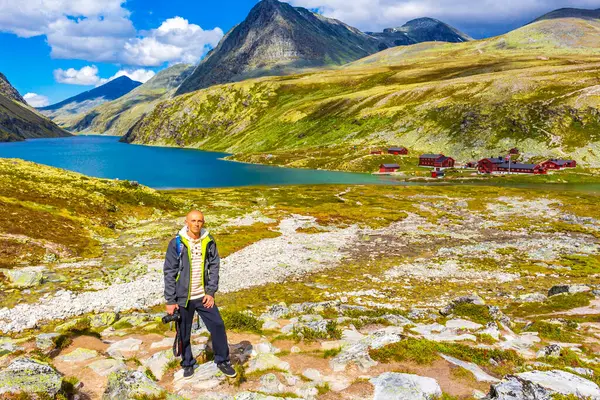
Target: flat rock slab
{"type": "Point", "coordinates": [264, 361]}
{"type": "Point", "coordinates": [479, 374]}
{"type": "Point", "coordinates": [45, 341]}
{"type": "Point", "coordinates": [563, 382]}
{"type": "Point", "coordinates": [166, 342]}
{"type": "Point", "coordinates": [396, 386]}
{"type": "Point", "coordinates": [78, 355]}
{"type": "Point", "coordinates": [124, 346]}
{"type": "Point", "coordinates": [106, 366]}
{"type": "Point", "coordinates": [158, 361]}
{"type": "Point", "coordinates": [463, 324]}
{"type": "Point", "coordinates": [125, 384]}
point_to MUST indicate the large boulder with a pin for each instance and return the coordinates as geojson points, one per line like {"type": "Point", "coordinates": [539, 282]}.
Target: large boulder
{"type": "Point", "coordinates": [125, 385]}
{"type": "Point", "coordinates": [103, 319]}
{"type": "Point", "coordinates": [24, 277]}
{"type": "Point", "coordinates": [31, 377]}
{"type": "Point", "coordinates": [571, 289]}
{"type": "Point", "coordinates": [396, 386]}
{"type": "Point", "coordinates": [470, 299]}
{"type": "Point", "coordinates": [543, 385]}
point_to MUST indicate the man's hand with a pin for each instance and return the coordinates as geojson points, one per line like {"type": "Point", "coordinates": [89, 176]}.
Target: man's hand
{"type": "Point", "coordinates": [208, 301]}
{"type": "Point", "coordinates": [171, 308]}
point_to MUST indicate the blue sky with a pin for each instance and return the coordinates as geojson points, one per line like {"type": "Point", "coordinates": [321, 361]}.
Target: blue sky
{"type": "Point", "coordinates": [57, 48]}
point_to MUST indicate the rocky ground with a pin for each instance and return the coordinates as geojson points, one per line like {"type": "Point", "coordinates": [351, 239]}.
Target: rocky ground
{"type": "Point", "coordinates": [329, 293]}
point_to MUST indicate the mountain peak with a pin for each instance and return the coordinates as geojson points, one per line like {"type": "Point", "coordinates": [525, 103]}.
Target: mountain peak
{"type": "Point", "coordinates": [109, 91]}
{"type": "Point", "coordinates": [8, 90]}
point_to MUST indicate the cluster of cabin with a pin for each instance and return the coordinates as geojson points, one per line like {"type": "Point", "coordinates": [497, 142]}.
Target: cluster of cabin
{"type": "Point", "coordinates": [494, 165]}
{"type": "Point", "coordinates": [502, 165]}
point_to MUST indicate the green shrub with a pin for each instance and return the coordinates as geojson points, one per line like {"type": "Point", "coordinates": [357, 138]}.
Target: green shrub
{"type": "Point", "coordinates": [241, 321]}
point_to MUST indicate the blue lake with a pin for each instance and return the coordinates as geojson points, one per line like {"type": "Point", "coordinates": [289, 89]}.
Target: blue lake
{"type": "Point", "coordinates": [164, 167]}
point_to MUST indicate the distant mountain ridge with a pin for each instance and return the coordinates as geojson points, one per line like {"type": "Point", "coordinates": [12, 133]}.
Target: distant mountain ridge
{"type": "Point", "coordinates": [570, 13]}
{"type": "Point", "coordinates": [116, 117]}
{"type": "Point", "coordinates": [18, 121]}
{"type": "Point", "coordinates": [109, 91]}
{"type": "Point", "coordinates": [277, 39]}
{"type": "Point", "coordinates": [65, 112]}
{"type": "Point", "coordinates": [420, 30]}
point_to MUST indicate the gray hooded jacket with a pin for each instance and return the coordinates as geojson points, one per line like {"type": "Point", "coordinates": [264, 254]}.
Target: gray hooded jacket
{"type": "Point", "coordinates": [177, 269]}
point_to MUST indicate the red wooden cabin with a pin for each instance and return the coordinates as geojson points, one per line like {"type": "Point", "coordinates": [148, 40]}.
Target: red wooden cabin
{"type": "Point", "coordinates": [376, 152]}
{"type": "Point", "coordinates": [389, 167]}
{"type": "Point", "coordinates": [398, 150]}
{"type": "Point", "coordinates": [554, 163]}
{"type": "Point", "coordinates": [436, 160]}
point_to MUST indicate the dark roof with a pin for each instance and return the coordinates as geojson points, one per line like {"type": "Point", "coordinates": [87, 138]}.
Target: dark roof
{"type": "Point", "coordinates": [444, 158]}
{"type": "Point", "coordinates": [495, 160]}
{"type": "Point", "coordinates": [518, 166]}
{"type": "Point", "coordinates": [435, 156]}
{"type": "Point", "coordinates": [560, 162]}
{"type": "Point", "coordinates": [389, 166]}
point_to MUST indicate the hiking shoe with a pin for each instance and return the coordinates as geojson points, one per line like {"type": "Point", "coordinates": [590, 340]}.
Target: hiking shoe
{"type": "Point", "coordinates": [227, 369]}
{"type": "Point", "coordinates": [188, 371]}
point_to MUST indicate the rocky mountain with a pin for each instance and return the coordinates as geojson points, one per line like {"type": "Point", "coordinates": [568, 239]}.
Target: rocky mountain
{"type": "Point", "coordinates": [7, 90]}
{"type": "Point", "coordinates": [420, 30]}
{"type": "Point", "coordinates": [486, 96]}
{"type": "Point", "coordinates": [63, 111]}
{"type": "Point", "coordinates": [275, 39]}
{"type": "Point", "coordinates": [18, 121]}
{"type": "Point", "coordinates": [116, 117]}
{"type": "Point", "coordinates": [571, 13]}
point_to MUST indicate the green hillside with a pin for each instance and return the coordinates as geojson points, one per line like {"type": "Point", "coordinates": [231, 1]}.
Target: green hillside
{"type": "Point", "coordinates": [118, 116]}
{"type": "Point", "coordinates": [534, 88]}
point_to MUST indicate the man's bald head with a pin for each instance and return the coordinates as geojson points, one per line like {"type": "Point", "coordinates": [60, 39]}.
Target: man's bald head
{"type": "Point", "coordinates": [194, 221]}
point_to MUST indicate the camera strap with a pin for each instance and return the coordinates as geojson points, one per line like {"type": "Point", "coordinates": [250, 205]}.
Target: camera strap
{"type": "Point", "coordinates": [177, 343]}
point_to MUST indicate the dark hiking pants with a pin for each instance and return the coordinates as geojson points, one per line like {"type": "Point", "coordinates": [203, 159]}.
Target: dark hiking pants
{"type": "Point", "coordinates": [214, 323]}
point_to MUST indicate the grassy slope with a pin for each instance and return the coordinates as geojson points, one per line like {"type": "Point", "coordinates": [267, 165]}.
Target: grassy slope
{"type": "Point", "coordinates": [19, 122]}
{"type": "Point", "coordinates": [118, 116]}
{"type": "Point", "coordinates": [534, 88]}
{"type": "Point", "coordinates": [49, 210]}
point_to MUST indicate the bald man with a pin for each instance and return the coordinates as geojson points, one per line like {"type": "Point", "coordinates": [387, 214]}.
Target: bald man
{"type": "Point", "coordinates": [191, 274]}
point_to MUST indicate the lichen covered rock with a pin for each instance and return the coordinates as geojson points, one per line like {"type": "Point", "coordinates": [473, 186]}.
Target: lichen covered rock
{"type": "Point", "coordinates": [29, 376]}
{"type": "Point", "coordinates": [124, 384]}
{"type": "Point", "coordinates": [396, 386]}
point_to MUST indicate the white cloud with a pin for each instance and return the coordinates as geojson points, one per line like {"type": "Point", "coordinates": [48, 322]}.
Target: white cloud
{"type": "Point", "coordinates": [88, 75]}
{"type": "Point", "coordinates": [174, 41]}
{"type": "Point", "coordinates": [140, 75]}
{"type": "Point", "coordinates": [101, 31]}
{"type": "Point", "coordinates": [36, 100]}
{"type": "Point", "coordinates": [379, 14]}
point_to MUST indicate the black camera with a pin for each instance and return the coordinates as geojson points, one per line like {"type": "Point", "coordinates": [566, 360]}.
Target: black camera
{"type": "Point", "coordinates": [175, 317]}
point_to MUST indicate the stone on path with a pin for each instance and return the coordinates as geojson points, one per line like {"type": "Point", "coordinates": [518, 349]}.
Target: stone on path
{"type": "Point", "coordinates": [396, 386]}
{"type": "Point", "coordinates": [121, 348]}
{"type": "Point", "coordinates": [106, 366]}
{"type": "Point", "coordinates": [78, 355]}
{"type": "Point", "coordinates": [552, 351]}
{"type": "Point", "coordinates": [29, 376]}
{"type": "Point", "coordinates": [103, 319]}
{"type": "Point", "coordinates": [206, 376]}
{"type": "Point", "coordinates": [264, 361]}
{"type": "Point", "coordinates": [269, 383]}
{"type": "Point", "coordinates": [479, 374]}
{"type": "Point", "coordinates": [45, 341]}
{"type": "Point", "coordinates": [166, 342]}
{"type": "Point", "coordinates": [259, 396]}
{"type": "Point", "coordinates": [125, 384]}
{"type": "Point", "coordinates": [158, 361]}
{"type": "Point", "coordinates": [356, 353]}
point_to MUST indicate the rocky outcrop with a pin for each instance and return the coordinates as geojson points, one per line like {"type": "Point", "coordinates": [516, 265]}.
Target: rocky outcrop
{"type": "Point", "coordinates": [543, 385]}
{"type": "Point", "coordinates": [30, 377]}
{"type": "Point", "coordinates": [7, 90]}
{"type": "Point", "coordinates": [124, 385]}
